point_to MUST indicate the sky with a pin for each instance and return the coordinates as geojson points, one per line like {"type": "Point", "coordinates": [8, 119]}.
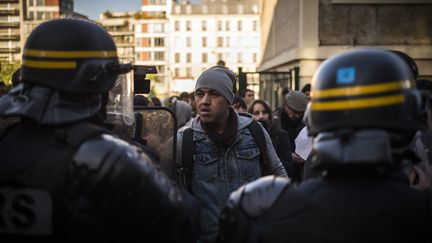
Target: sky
{"type": "Point", "coordinates": [93, 8]}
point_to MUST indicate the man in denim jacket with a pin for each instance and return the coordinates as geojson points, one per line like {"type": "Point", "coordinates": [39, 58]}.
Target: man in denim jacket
{"type": "Point", "coordinates": [226, 155]}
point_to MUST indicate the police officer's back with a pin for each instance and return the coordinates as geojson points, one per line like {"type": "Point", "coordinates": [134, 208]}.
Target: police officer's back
{"type": "Point", "coordinates": [364, 113]}
{"type": "Point", "coordinates": [62, 176]}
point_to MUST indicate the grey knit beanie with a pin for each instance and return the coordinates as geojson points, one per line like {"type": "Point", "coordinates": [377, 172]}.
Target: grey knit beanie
{"type": "Point", "coordinates": [220, 79]}
{"type": "Point", "coordinates": [296, 100]}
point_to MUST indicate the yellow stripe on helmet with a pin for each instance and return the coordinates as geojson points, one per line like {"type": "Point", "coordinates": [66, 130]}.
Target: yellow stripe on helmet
{"type": "Point", "coordinates": [362, 90]}
{"type": "Point", "coordinates": [49, 65]}
{"type": "Point", "coordinates": [70, 54]}
{"type": "Point", "coordinates": [357, 103]}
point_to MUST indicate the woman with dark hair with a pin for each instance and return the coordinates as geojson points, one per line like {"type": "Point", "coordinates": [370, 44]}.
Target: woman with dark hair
{"type": "Point", "coordinates": [262, 112]}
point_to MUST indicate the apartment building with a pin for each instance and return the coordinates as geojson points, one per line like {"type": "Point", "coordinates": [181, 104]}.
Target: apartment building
{"type": "Point", "coordinates": [151, 40]}
{"type": "Point", "coordinates": [19, 17]}
{"type": "Point", "coordinates": [202, 34]}
{"type": "Point", "coordinates": [121, 27]}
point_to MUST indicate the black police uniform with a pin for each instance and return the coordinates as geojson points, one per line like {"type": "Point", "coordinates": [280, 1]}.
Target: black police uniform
{"type": "Point", "coordinates": [364, 113]}
{"type": "Point", "coordinates": [62, 176]}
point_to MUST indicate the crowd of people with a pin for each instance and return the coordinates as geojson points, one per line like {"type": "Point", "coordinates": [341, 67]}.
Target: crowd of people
{"type": "Point", "coordinates": [346, 158]}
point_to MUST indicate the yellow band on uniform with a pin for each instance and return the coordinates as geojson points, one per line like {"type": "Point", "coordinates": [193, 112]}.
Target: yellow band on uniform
{"type": "Point", "coordinates": [49, 65]}
{"type": "Point", "coordinates": [361, 90]}
{"type": "Point", "coordinates": [357, 103]}
{"type": "Point", "coordinates": [70, 54]}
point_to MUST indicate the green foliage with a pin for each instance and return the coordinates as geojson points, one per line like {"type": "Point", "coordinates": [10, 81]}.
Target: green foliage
{"type": "Point", "coordinates": [6, 72]}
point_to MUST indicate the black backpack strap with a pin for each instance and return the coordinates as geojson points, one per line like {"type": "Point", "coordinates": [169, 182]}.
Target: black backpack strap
{"type": "Point", "coordinates": [257, 133]}
{"type": "Point", "coordinates": [188, 150]}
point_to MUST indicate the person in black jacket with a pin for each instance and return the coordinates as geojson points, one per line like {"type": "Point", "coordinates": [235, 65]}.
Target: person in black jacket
{"type": "Point", "coordinates": [262, 112]}
{"type": "Point", "coordinates": [364, 113]}
{"type": "Point", "coordinates": [72, 179]}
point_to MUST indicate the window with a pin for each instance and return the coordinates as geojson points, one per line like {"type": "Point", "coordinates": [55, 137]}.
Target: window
{"type": "Point", "coordinates": [189, 72]}
{"type": "Point", "coordinates": [227, 25]}
{"type": "Point", "coordinates": [205, 9]}
{"type": "Point", "coordinates": [159, 56]}
{"type": "Point", "coordinates": [159, 41]}
{"type": "Point", "coordinates": [40, 3]}
{"type": "Point", "coordinates": [145, 42]}
{"type": "Point", "coordinates": [158, 28]}
{"type": "Point", "coordinates": [188, 9]}
{"type": "Point", "coordinates": [204, 42]}
{"type": "Point", "coordinates": [204, 57]}
{"type": "Point", "coordinates": [254, 57]}
{"type": "Point", "coordinates": [160, 69]}
{"type": "Point", "coordinates": [220, 56]}
{"type": "Point", "coordinates": [255, 25]}
{"type": "Point", "coordinates": [145, 56]}
{"type": "Point", "coordinates": [225, 9]}
{"type": "Point", "coordinates": [177, 72]}
{"type": "Point", "coordinates": [240, 9]}
{"type": "Point", "coordinates": [188, 42]}
{"type": "Point", "coordinates": [177, 57]}
{"type": "Point", "coordinates": [255, 9]}
{"type": "Point", "coordinates": [189, 57]}
{"type": "Point", "coordinates": [177, 25]}
{"type": "Point", "coordinates": [220, 41]}
{"type": "Point", "coordinates": [177, 9]}
{"type": "Point", "coordinates": [239, 57]}
{"type": "Point", "coordinates": [227, 41]}
{"type": "Point", "coordinates": [188, 26]}
{"type": "Point", "coordinates": [219, 24]}
{"type": "Point", "coordinates": [31, 2]}
{"type": "Point", "coordinates": [239, 25]}
{"type": "Point", "coordinates": [204, 25]}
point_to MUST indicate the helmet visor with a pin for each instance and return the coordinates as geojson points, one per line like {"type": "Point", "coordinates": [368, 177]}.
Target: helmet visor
{"type": "Point", "coordinates": [120, 104]}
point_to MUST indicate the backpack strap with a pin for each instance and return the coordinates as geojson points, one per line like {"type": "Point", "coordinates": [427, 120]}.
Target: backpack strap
{"type": "Point", "coordinates": [257, 133]}
{"type": "Point", "coordinates": [187, 163]}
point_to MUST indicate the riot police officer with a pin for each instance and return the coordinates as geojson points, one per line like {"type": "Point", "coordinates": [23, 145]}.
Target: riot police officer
{"type": "Point", "coordinates": [364, 113]}
{"type": "Point", "coordinates": [62, 175]}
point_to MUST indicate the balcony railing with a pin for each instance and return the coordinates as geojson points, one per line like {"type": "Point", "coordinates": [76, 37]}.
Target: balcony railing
{"type": "Point", "coordinates": [8, 12]}
{"type": "Point", "coordinates": [9, 37]}
{"type": "Point", "coordinates": [10, 50]}
{"type": "Point", "coordinates": [9, 25]}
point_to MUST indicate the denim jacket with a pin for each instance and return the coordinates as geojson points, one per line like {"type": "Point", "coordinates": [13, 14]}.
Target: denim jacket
{"type": "Point", "coordinates": [218, 171]}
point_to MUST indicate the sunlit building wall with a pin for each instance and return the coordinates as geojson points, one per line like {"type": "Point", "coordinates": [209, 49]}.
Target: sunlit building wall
{"type": "Point", "coordinates": [202, 34]}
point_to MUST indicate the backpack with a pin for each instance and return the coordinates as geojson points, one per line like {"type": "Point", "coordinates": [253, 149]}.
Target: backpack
{"type": "Point", "coordinates": [185, 167]}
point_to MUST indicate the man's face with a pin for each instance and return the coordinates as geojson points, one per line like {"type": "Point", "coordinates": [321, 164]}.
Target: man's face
{"type": "Point", "coordinates": [292, 114]}
{"type": "Point", "coordinates": [249, 96]}
{"type": "Point", "coordinates": [212, 107]}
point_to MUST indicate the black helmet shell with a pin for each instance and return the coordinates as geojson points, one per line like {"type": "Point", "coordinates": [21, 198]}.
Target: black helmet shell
{"type": "Point", "coordinates": [69, 55]}
{"type": "Point", "coordinates": [366, 88]}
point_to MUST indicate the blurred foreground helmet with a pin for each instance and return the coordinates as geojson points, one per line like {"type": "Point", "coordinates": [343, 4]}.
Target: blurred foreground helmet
{"type": "Point", "coordinates": [368, 88]}
{"type": "Point", "coordinates": [70, 55]}
{"type": "Point", "coordinates": [68, 66]}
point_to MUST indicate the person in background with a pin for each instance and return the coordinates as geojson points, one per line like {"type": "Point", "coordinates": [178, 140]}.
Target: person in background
{"type": "Point", "coordinates": [141, 100]}
{"type": "Point", "coordinates": [306, 90]}
{"type": "Point", "coordinates": [361, 145]}
{"type": "Point", "coordinates": [239, 104]}
{"type": "Point", "coordinates": [248, 95]}
{"type": "Point", "coordinates": [156, 101]}
{"type": "Point", "coordinates": [262, 112]}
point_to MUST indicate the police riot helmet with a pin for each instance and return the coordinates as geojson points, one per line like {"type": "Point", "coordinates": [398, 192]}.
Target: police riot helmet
{"type": "Point", "coordinates": [366, 88]}
{"type": "Point", "coordinates": [71, 55]}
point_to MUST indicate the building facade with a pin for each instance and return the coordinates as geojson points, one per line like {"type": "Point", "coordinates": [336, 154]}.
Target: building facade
{"type": "Point", "coordinates": [19, 17]}
{"type": "Point", "coordinates": [202, 34]}
{"type": "Point", "coordinates": [303, 33]}
{"type": "Point", "coordinates": [121, 27]}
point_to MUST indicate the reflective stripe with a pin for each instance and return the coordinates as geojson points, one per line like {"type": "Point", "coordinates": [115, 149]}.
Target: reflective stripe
{"type": "Point", "coordinates": [358, 103]}
{"type": "Point", "coordinates": [49, 65]}
{"type": "Point", "coordinates": [70, 54]}
{"type": "Point", "coordinates": [362, 90]}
